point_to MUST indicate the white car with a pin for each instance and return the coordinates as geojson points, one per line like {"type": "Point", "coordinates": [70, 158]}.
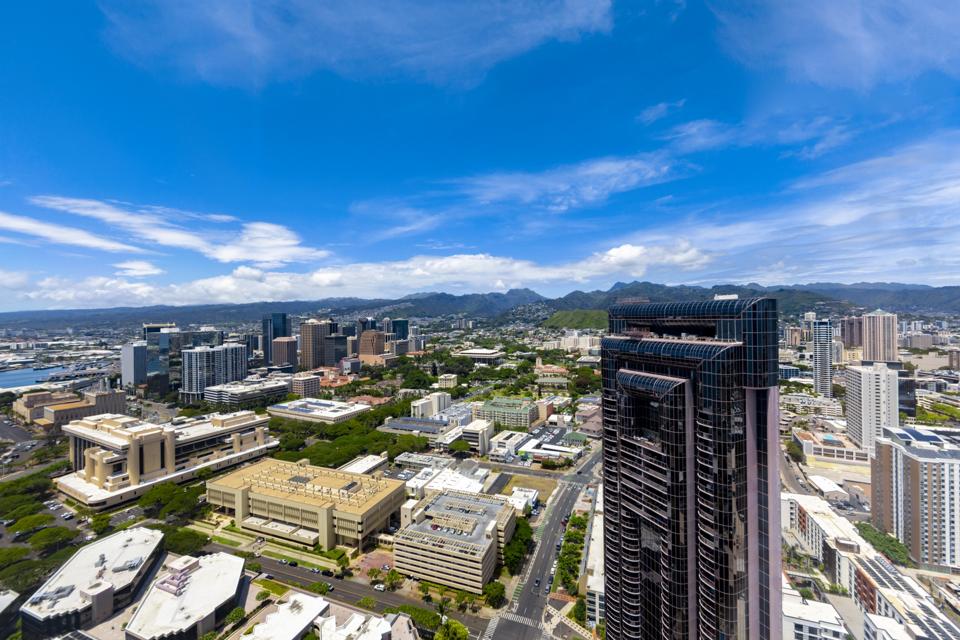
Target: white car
{"type": "Point", "coordinates": [379, 587]}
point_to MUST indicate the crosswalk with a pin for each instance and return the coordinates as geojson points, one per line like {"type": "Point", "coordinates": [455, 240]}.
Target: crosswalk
{"type": "Point", "coordinates": [491, 629]}
{"type": "Point", "coordinates": [529, 622]}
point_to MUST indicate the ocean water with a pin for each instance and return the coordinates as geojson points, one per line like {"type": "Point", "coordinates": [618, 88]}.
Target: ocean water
{"type": "Point", "coordinates": [24, 377]}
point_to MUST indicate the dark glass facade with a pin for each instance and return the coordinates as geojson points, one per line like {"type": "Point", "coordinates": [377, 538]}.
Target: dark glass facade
{"type": "Point", "coordinates": [275, 325]}
{"type": "Point", "coordinates": [691, 478]}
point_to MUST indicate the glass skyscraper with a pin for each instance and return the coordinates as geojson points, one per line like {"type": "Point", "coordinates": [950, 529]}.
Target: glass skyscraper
{"type": "Point", "coordinates": [275, 325]}
{"type": "Point", "coordinates": [691, 473]}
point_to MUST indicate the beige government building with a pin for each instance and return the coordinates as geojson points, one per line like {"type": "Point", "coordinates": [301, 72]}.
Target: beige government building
{"type": "Point", "coordinates": [306, 504]}
{"type": "Point", "coordinates": [118, 458]}
{"type": "Point", "coordinates": [454, 538]}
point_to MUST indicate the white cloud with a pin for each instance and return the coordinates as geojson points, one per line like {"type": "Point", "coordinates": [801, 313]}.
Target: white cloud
{"type": "Point", "coordinates": [13, 280]}
{"type": "Point", "coordinates": [804, 138]}
{"type": "Point", "coordinates": [659, 111]}
{"type": "Point", "coordinates": [253, 43]}
{"type": "Point", "coordinates": [844, 43]}
{"type": "Point", "coordinates": [60, 234]}
{"type": "Point", "coordinates": [572, 186]}
{"type": "Point", "coordinates": [262, 243]}
{"type": "Point", "coordinates": [137, 269]}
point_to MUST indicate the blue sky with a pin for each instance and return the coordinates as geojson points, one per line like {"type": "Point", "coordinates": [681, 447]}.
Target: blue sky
{"type": "Point", "coordinates": [184, 152]}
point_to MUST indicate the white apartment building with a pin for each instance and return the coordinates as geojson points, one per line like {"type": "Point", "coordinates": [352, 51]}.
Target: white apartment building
{"type": "Point", "coordinates": [872, 403]}
{"type": "Point", "coordinates": [808, 619]}
{"type": "Point", "coordinates": [430, 405]}
{"type": "Point", "coordinates": [822, 334]}
{"type": "Point", "coordinates": [208, 366]}
{"type": "Point", "coordinates": [880, 337]}
{"type": "Point", "coordinates": [447, 380]}
{"type": "Point", "coordinates": [248, 393]}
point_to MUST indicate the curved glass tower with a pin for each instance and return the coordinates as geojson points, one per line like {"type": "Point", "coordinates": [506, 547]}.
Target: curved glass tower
{"type": "Point", "coordinates": [691, 473]}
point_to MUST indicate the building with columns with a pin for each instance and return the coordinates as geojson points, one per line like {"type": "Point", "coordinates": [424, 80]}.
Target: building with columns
{"type": "Point", "coordinates": [118, 458]}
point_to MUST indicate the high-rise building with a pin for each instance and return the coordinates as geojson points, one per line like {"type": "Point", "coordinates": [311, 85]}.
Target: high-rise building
{"type": "Point", "coordinates": [401, 328]}
{"type": "Point", "coordinates": [312, 334]}
{"type": "Point", "coordinates": [915, 478]}
{"type": "Point", "coordinates": [953, 358]}
{"type": "Point", "coordinates": [872, 403]}
{"type": "Point", "coordinates": [372, 343]}
{"type": "Point", "coordinates": [275, 325]}
{"type": "Point", "coordinates": [821, 335]}
{"type": "Point", "coordinates": [284, 352]}
{"type": "Point", "coordinates": [335, 349]}
{"type": "Point", "coordinates": [691, 471]}
{"type": "Point", "coordinates": [133, 363]}
{"type": "Point", "coordinates": [208, 366]}
{"type": "Point", "coordinates": [851, 331]}
{"type": "Point", "coordinates": [880, 337]}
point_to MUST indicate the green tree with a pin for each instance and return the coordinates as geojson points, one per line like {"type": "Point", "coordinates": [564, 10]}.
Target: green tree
{"type": "Point", "coordinates": [100, 523]}
{"type": "Point", "coordinates": [495, 594]}
{"type": "Point", "coordinates": [29, 523]}
{"type": "Point", "coordinates": [10, 555]}
{"type": "Point", "coordinates": [460, 447]}
{"type": "Point", "coordinates": [51, 539]}
{"type": "Point", "coordinates": [367, 603]}
{"type": "Point", "coordinates": [393, 579]}
{"type": "Point", "coordinates": [374, 574]}
{"type": "Point", "coordinates": [579, 611]}
{"type": "Point", "coordinates": [319, 587]}
{"type": "Point", "coordinates": [210, 635]}
{"type": "Point", "coordinates": [424, 589]}
{"type": "Point", "coordinates": [235, 615]}
{"type": "Point", "coordinates": [453, 630]}
{"type": "Point", "coordinates": [262, 595]}
{"type": "Point", "coordinates": [795, 451]}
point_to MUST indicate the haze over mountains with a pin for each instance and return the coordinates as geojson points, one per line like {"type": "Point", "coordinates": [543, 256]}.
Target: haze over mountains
{"type": "Point", "coordinates": [793, 299]}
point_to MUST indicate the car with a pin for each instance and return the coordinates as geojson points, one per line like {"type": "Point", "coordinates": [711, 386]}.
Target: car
{"type": "Point", "coordinates": [67, 516]}
{"type": "Point", "coordinates": [292, 563]}
{"type": "Point", "coordinates": [327, 573]}
{"type": "Point", "coordinates": [536, 582]}
{"type": "Point", "coordinates": [379, 587]}
{"type": "Point", "coordinates": [546, 589]}
{"type": "Point", "coordinates": [385, 567]}
{"type": "Point", "coordinates": [314, 570]}
{"type": "Point", "coordinates": [283, 561]}
{"type": "Point", "coordinates": [268, 576]}
{"type": "Point", "coordinates": [330, 586]}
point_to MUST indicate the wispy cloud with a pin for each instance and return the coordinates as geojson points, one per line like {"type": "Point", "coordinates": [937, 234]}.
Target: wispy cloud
{"type": "Point", "coordinates": [258, 242]}
{"type": "Point", "coordinates": [137, 269]}
{"type": "Point", "coordinates": [803, 138]}
{"type": "Point", "coordinates": [844, 43]}
{"type": "Point", "coordinates": [659, 111]}
{"type": "Point", "coordinates": [253, 43]}
{"type": "Point", "coordinates": [59, 234]}
{"type": "Point", "coordinates": [572, 186]}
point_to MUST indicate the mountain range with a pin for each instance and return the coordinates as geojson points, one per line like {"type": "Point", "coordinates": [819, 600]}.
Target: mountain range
{"type": "Point", "coordinates": [824, 297]}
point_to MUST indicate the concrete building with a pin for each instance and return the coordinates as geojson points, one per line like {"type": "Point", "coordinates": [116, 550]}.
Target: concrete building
{"type": "Point", "coordinates": [372, 345]}
{"type": "Point", "coordinates": [94, 402]}
{"type": "Point", "coordinates": [306, 385]}
{"type": "Point", "coordinates": [505, 446]}
{"type": "Point", "coordinates": [880, 337]}
{"type": "Point", "coordinates": [431, 429]}
{"type": "Point", "coordinates": [851, 331]}
{"type": "Point", "coordinates": [308, 505]}
{"type": "Point", "coordinates": [284, 352]}
{"type": "Point", "coordinates": [316, 410]}
{"type": "Point", "coordinates": [313, 335]}
{"type": "Point", "coordinates": [509, 412]}
{"type": "Point", "coordinates": [953, 358]}
{"type": "Point", "coordinates": [133, 364]}
{"type": "Point", "coordinates": [915, 477]}
{"type": "Point", "coordinates": [595, 573]}
{"type": "Point", "coordinates": [368, 464]}
{"type": "Point", "coordinates": [827, 488]}
{"type": "Point", "coordinates": [873, 399]}
{"type": "Point", "coordinates": [478, 433]}
{"type": "Point", "coordinates": [483, 357]}
{"type": "Point", "coordinates": [822, 347]}
{"type": "Point", "coordinates": [418, 461]}
{"type": "Point", "coordinates": [453, 538]}
{"type": "Point", "coordinates": [251, 392]}
{"type": "Point", "coordinates": [430, 405]}
{"type": "Point", "coordinates": [808, 619]}
{"type": "Point", "coordinates": [302, 614]}
{"type": "Point", "coordinates": [275, 325]}
{"type": "Point", "coordinates": [29, 407]}
{"type": "Point", "coordinates": [209, 366]}
{"type": "Point", "coordinates": [118, 458]}
{"type": "Point", "coordinates": [449, 380]}
{"type": "Point", "coordinates": [190, 598]}
{"type": "Point", "coordinates": [98, 580]}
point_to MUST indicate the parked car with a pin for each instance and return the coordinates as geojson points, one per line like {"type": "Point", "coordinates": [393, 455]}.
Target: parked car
{"type": "Point", "coordinates": [292, 563]}
{"type": "Point", "coordinates": [379, 587]}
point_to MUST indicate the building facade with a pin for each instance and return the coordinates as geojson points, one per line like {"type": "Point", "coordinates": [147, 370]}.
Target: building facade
{"type": "Point", "coordinates": [94, 402]}
{"type": "Point", "coordinates": [208, 366]}
{"type": "Point", "coordinates": [518, 413]}
{"type": "Point", "coordinates": [822, 341]}
{"type": "Point", "coordinates": [133, 364]}
{"type": "Point", "coordinates": [284, 352]}
{"type": "Point", "coordinates": [275, 325]}
{"type": "Point", "coordinates": [915, 477]}
{"type": "Point", "coordinates": [873, 403]}
{"type": "Point", "coordinates": [880, 337]}
{"type": "Point", "coordinates": [691, 471]}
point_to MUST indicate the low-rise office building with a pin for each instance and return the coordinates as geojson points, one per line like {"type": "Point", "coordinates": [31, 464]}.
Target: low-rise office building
{"type": "Point", "coordinates": [29, 407]}
{"type": "Point", "coordinates": [453, 538]}
{"type": "Point", "coordinates": [302, 614]}
{"type": "Point", "coordinates": [447, 381]}
{"type": "Point", "coordinates": [94, 403]}
{"type": "Point", "coordinates": [418, 461]}
{"type": "Point", "coordinates": [118, 458]}
{"type": "Point", "coordinates": [482, 357]}
{"type": "Point", "coordinates": [98, 580]}
{"type": "Point", "coordinates": [314, 410]}
{"type": "Point", "coordinates": [808, 619]}
{"type": "Point", "coordinates": [368, 464]}
{"type": "Point", "coordinates": [306, 385]}
{"type": "Point", "coordinates": [190, 598]}
{"type": "Point", "coordinates": [504, 446]}
{"type": "Point", "coordinates": [428, 428]}
{"type": "Point", "coordinates": [308, 505]}
{"type": "Point", "coordinates": [518, 413]}
{"type": "Point", "coordinates": [595, 573]}
{"type": "Point", "coordinates": [250, 392]}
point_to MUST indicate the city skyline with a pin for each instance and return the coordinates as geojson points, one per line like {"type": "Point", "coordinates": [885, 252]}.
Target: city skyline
{"type": "Point", "coordinates": [552, 146]}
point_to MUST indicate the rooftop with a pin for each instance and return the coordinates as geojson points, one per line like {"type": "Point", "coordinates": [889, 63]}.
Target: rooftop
{"type": "Point", "coordinates": [290, 618]}
{"type": "Point", "coordinates": [460, 520]}
{"type": "Point", "coordinates": [114, 560]}
{"type": "Point", "coordinates": [187, 591]}
{"type": "Point", "coordinates": [319, 409]}
{"type": "Point", "coordinates": [351, 492]}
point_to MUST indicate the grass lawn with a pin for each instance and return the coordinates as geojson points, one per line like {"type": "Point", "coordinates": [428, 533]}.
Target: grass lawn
{"type": "Point", "coordinates": [302, 563]}
{"type": "Point", "coordinates": [545, 486]}
{"type": "Point", "coordinates": [272, 586]}
{"type": "Point", "coordinates": [226, 541]}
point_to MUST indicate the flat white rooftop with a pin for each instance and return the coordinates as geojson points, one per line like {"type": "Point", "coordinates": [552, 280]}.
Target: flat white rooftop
{"type": "Point", "coordinates": [364, 464]}
{"type": "Point", "coordinates": [291, 619]}
{"type": "Point", "coordinates": [187, 591]}
{"type": "Point", "coordinates": [114, 560]}
{"type": "Point", "coordinates": [313, 409]}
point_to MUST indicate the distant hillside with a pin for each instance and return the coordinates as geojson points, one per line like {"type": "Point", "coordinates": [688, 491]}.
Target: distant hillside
{"type": "Point", "coordinates": [577, 319]}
